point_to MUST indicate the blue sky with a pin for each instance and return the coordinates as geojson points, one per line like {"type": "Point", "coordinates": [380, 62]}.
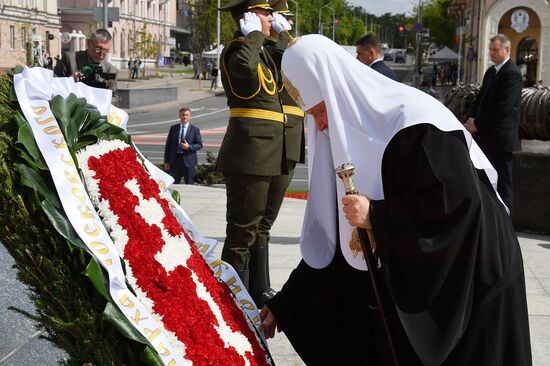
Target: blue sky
{"type": "Point", "coordinates": [379, 7]}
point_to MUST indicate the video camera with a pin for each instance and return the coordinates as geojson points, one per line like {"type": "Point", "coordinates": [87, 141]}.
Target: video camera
{"type": "Point", "coordinates": [95, 77]}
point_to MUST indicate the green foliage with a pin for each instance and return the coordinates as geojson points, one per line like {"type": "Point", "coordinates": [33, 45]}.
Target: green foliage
{"type": "Point", "coordinates": [349, 28]}
{"type": "Point", "coordinates": [143, 46]}
{"type": "Point", "coordinates": [64, 281]}
{"type": "Point", "coordinates": [206, 173]}
{"type": "Point", "coordinates": [442, 27]}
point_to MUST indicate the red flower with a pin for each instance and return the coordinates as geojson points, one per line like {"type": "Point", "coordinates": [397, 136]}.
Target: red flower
{"type": "Point", "coordinates": [173, 293]}
{"type": "Point", "coordinates": [299, 195]}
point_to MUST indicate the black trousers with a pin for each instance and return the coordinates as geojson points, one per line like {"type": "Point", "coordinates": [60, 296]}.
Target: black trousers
{"type": "Point", "coordinates": [180, 170]}
{"type": "Point", "coordinates": [503, 163]}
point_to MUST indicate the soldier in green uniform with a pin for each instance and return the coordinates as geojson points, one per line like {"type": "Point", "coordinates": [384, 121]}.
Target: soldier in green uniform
{"type": "Point", "coordinates": [275, 45]}
{"type": "Point", "coordinates": [253, 153]}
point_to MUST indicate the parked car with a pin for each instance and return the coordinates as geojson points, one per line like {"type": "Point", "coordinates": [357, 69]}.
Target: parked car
{"type": "Point", "coordinates": [400, 57]}
{"type": "Point", "coordinates": [388, 56]}
{"type": "Point", "coordinates": [384, 46]}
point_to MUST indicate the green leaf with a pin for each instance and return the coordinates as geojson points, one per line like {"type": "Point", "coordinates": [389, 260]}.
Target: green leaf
{"type": "Point", "coordinates": [62, 224]}
{"type": "Point", "coordinates": [95, 274]}
{"type": "Point", "coordinates": [28, 159]}
{"type": "Point", "coordinates": [31, 178]}
{"type": "Point", "coordinates": [175, 195]}
{"type": "Point", "coordinates": [122, 324]}
{"type": "Point", "coordinates": [12, 97]}
{"type": "Point", "coordinates": [26, 138]}
{"type": "Point", "coordinates": [151, 357]}
{"type": "Point", "coordinates": [19, 119]}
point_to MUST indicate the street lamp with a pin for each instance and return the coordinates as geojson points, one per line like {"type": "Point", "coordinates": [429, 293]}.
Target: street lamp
{"type": "Point", "coordinates": [218, 23]}
{"type": "Point", "coordinates": [296, 17]}
{"type": "Point", "coordinates": [333, 18]}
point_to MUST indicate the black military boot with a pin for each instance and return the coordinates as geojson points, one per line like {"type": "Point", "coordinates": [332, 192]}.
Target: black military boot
{"type": "Point", "coordinates": [258, 266]}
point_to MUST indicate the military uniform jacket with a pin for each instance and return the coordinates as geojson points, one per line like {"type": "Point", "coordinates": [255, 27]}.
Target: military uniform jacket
{"type": "Point", "coordinates": [254, 143]}
{"type": "Point", "coordinates": [295, 137]}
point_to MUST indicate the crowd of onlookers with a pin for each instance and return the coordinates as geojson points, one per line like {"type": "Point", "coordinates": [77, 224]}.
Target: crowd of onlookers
{"type": "Point", "coordinates": [205, 69]}
{"type": "Point", "coordinates": [133, 67]}
{"type": "Point", "coordinates": [445, 74]}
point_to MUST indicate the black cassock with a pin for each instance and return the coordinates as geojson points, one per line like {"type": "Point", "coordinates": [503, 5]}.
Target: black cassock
{"type": "Point", "coordinates": [451, 261]}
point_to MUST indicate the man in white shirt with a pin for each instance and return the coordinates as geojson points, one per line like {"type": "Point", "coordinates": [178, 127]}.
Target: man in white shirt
{"type": "Point", "coordinates": [494, 118]}
{"type": "Point", "coordinates": [180, 151]}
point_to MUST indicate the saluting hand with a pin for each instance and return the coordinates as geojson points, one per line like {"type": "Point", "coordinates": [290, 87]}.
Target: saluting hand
{"type": "Point", "coordinates": [356, 209]}
{"type": "Point", "coordinates": [250, 23]}
{"type": "Point", "coordinates": [280, 23]}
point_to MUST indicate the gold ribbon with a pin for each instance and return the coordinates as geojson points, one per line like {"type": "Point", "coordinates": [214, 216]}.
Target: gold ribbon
{"type": "Point", "coordinates": [257, 113]}
{"type": "Point", "coordinates": [290, 109]}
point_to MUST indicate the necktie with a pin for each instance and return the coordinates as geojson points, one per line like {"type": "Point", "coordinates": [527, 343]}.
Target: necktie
{"type": "Point", "coordinates": [491, 73]}
{"type": "Point", "coordinates": [488, 80]}
{"type": "Point", "coordinates": [182, 134]}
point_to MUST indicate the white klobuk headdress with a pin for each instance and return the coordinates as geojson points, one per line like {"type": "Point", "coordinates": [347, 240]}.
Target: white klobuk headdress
{"type": "Point", "coordinates": [365, 110]}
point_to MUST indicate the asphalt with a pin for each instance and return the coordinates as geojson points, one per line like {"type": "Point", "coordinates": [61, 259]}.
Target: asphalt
{"type": "Point", "coordinates": [21, 343]}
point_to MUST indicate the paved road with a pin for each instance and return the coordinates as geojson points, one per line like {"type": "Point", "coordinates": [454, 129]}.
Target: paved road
{"type": "Point", "coordinates": [149, 131]}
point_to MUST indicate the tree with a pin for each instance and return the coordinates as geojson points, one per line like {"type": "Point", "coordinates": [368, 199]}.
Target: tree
{"type": "Point", "coordinates": [350, 25]}
{"type": "Point", "coordinates": [143, 46]}
{"type": "Point", "coordinates": [442, 27]}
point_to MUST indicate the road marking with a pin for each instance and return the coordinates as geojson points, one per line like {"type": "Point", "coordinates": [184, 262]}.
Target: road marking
{"type": "Point", "coordinates": [204, 144]}
{"type": "Point", "coordinates": [177, 120]}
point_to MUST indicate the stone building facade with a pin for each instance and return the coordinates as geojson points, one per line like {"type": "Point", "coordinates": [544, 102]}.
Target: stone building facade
{"type": "Point", "coordinates": [160, 16]}
{"type": "Point", "coordinates": [27, 26]}
{"type": "Point", "coordinates": [525, 22]}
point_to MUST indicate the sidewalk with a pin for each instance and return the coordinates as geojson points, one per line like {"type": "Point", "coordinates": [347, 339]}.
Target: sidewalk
{"type": "Point", "coordinates": [189, 90]}
{"type": "Point", "coordinates": [206, 208]}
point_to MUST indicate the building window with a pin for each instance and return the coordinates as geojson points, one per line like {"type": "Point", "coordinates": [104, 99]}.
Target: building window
{"type": "Point", "coordinates": [12, 37]}
{"type": "Point", "coordinates": [23, 35]}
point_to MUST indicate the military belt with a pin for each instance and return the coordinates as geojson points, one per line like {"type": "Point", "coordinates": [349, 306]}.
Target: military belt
{"type": "Point", "coordinates": [257, 113]}
{"type": "Point", "coordinates": [290, 109]}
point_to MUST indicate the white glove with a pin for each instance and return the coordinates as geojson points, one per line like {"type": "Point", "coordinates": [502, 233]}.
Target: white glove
{"type": "Point", "coordinates": [250, 23]}
{"type": "Point", "coordinates": [280, 23]}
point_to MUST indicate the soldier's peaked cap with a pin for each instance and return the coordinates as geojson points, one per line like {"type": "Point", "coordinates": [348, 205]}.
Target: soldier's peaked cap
{"type": "Point", "coordinates": [281, 7]}
{"type": "Point", "coordinates": [246, 5]}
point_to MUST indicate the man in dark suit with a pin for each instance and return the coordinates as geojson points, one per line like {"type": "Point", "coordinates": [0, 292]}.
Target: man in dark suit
{"type": "Point", "coordinates": [494, 118]}
{"type": "Point", "coordinates": [180, 151]}
{"type": "Point", "coordinates": [368, 52]}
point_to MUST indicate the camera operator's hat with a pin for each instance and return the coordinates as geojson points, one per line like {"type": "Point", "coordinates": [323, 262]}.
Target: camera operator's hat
{"type": "Point", "coordinates": [281, 7]}
{"type": "Point", "coordinates": [242, 6]}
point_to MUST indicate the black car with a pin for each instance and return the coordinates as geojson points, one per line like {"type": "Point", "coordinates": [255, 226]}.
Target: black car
{"type": "Point", "coordinates": [388, 56]}
{"type": "Point", "coordinates": [400, 57]}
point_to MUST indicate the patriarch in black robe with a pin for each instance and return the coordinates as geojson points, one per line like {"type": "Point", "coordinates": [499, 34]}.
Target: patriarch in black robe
{"type": "Point", "coordinates": [452, 270]}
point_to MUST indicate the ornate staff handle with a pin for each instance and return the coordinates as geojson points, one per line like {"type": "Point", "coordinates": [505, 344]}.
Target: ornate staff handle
{"type": "Point", "coordinates": [346, 172]}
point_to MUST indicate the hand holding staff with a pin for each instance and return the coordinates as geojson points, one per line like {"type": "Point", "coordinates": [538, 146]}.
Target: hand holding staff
{"type": "Point", "coordinates": [345, 172]}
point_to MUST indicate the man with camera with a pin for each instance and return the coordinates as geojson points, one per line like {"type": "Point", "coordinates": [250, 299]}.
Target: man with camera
{"type": "Point", "coordinates": [90, 66]}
